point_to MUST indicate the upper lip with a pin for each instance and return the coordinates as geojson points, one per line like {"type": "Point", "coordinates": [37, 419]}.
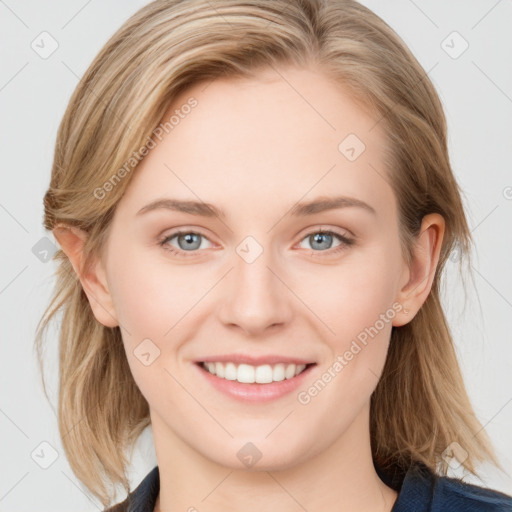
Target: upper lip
{"type": "Point", "coordinates": [254, 360]}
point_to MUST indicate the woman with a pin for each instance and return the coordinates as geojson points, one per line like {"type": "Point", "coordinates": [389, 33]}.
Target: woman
{"type": "Point", "coordinates": [255, 205]}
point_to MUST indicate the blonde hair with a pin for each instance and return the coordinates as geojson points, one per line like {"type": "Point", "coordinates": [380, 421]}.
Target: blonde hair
{"type": "Point", "coordinates": [420, 405]}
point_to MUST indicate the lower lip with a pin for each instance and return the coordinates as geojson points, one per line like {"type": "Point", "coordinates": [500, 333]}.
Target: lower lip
{"type": "Point", "coordinates": [255, 393]}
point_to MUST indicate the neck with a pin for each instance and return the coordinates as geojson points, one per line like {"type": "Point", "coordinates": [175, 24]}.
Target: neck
{"type": "Point", "coordinates": [340, 478]}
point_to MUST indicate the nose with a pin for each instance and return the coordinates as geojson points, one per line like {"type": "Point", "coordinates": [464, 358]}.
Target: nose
{"type": "Point", "coordinates": [256, 297]}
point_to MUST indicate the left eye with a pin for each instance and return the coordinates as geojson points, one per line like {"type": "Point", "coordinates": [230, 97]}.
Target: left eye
{"type": "Point", "coordinates": [324, 238]}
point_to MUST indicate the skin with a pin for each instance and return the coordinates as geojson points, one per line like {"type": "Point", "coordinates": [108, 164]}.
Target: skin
{"type": "Point", "coordinates": [255, 147]}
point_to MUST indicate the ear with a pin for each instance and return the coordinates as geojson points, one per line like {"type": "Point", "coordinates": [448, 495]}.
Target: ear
{"type": "Point", "coordinates": [94, 283]}
{"type": "Point", "coordinates": [419, 275]}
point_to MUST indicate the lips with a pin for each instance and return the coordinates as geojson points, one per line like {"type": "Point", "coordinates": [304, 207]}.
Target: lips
{"type": "Point", "coordinates": [270, 359]}
{"type": "Point", "coordinates": [254, 384]}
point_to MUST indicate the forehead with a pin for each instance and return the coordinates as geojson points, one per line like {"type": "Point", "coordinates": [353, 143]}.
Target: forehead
{"type": "Point", "coordinates": [283, 136]}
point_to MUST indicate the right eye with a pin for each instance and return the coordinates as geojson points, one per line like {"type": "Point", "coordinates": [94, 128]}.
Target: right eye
{"type": "Point", "coordinates": [188, 241]}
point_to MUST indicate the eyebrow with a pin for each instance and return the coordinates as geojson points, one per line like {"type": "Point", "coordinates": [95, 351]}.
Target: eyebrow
{"type": "Point", "coordinates": [329, 203]}
{"type": "Point", "coordinates": [304, 209]}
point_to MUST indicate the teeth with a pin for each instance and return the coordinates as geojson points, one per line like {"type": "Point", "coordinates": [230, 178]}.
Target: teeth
{"type": "Point", "coordinates": [249, 374]}
{"type": "Point", "coordinates": [219, 370]}
{"type": "Point", "coordinates": [230, 371]}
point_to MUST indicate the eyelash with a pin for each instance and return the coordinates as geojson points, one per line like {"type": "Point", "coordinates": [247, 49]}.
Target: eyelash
{"type": "Point", "coordinates": [345, 242]}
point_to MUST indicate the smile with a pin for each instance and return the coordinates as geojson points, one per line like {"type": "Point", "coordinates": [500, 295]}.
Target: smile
{"type": "Point", "coordinates": [254, 384]}
{"type": "Point", "coordinates": [248, 374]}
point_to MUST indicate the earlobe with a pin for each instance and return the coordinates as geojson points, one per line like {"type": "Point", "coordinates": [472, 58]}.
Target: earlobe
{"type": "Point", "coordinates": [422, 268]}
{"type": "Point", "coordinates": [94, 283]}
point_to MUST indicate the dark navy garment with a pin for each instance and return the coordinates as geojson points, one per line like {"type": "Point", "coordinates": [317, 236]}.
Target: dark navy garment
{"type": "Point", "coordinates": [420, 491]}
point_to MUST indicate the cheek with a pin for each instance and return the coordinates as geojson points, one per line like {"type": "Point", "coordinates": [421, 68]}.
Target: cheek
{"type": "Point", "coordinates": [358, 309]}
{"type": "Point", "coordinates": [359, 291]}
{"type": "Point", "coordinates": [150, 296]}
{"type": "Point", "coordinates": [148, 310]}
{"type": "Point", "coordinates": [155, 302]}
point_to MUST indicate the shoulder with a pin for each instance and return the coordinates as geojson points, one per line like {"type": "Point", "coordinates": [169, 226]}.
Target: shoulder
{"type": "Point", "coordinates": [120, 507]}
{"type": "Point", "coordinates": [143, 497]}
{"type": "Point", "coordinates": [451, 493]}
{"type": "Point", "coordinates": [424, 491]}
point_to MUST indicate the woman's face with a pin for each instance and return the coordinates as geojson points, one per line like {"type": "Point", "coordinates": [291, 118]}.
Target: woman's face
{"type": "Point", "coordinates": [259, 280]}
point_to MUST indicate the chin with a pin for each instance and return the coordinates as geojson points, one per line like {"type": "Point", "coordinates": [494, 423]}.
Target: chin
{"type": "Point", "coordinates": [255, 453]}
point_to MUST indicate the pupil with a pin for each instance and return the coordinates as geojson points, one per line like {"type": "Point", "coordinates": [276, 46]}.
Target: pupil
{"type": "Point", "coordinates": [319, 236]}
{"type": "Point", "coordinates": [189, 239]}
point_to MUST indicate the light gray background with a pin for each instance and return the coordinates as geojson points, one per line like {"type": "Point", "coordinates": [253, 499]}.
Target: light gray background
{"type": "Point", "coordinates": [476, 90]}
